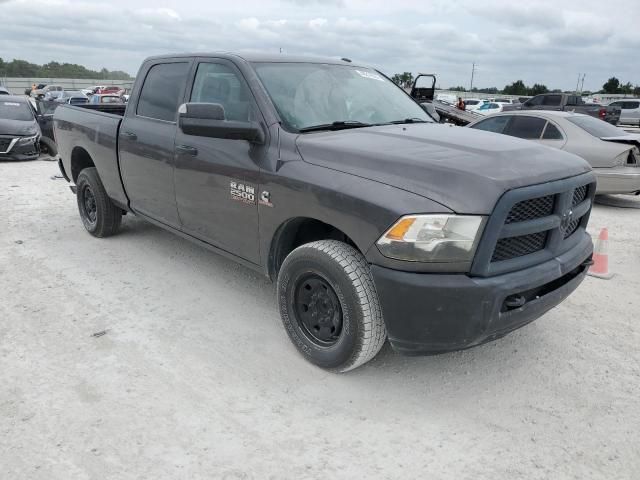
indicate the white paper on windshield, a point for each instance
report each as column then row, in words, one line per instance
column 371, row 75
column 11, row 104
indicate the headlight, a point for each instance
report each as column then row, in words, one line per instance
column 432, row 238
column 26, row 140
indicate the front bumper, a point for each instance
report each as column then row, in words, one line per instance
column 433, row 313
column 18, row 151
column 618, row 180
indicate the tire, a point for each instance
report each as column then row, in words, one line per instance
column 329, row 305
column 49, row 145
column 99, row 215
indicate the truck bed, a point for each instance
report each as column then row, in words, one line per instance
column 112, row 108
column 92, row 130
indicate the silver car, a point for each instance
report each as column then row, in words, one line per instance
column 613, row 153
column 630, row 114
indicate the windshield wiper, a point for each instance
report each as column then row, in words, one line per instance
column 409, row 120
column 340, row 125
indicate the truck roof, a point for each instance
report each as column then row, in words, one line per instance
column 263, row 57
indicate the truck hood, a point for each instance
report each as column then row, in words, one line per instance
column 18, row 127
column 463, row 169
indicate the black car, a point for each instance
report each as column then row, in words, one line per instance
column 19, row 130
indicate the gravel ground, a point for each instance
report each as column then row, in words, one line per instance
column 195, row 377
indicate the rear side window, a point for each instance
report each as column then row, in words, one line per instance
column 161, row 91
column 552, row 100
column 630, row 105
column 552, row 132
column 526, row 127
column 535, row 100
column 495, row 124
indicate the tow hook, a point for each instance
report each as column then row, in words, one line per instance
column 587, row 263
column 515, row 301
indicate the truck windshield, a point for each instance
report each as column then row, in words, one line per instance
column 15, row 111
column 309, row 95
column 596, row 127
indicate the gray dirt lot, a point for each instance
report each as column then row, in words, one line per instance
column 195, row 377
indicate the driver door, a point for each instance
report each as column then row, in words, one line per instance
column 216, row 179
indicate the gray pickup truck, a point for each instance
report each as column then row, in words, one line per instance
column 569, row 103
column 323, row 175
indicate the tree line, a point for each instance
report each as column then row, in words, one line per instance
column 613, row 85
column 22, row 68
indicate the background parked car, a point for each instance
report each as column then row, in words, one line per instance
column 489, row 108
column 4, row 91
column 571, row 103
column 42, row 92
column 111, row 89
column 613, row 153
column 72, row 97
column 630, row 114
column 109, row 98
column 472, row 104
column 19, row 130
column 51, row 95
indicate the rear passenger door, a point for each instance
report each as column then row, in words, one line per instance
column 217, row 179
column 146, row 140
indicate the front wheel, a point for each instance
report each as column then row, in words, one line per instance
column 329, row 305
column 99, row 215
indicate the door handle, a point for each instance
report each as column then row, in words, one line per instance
column 187, row 149
column 130, row 135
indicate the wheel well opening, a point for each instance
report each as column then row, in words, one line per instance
column 80, row 160
column 297, row 232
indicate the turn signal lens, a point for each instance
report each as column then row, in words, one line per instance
column 399, row 230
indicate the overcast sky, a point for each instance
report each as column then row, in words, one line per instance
column 538, row 41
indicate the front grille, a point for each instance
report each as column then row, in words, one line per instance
column 579, row 194
column 508, row 248
column 534, row 224
column 572, row 227
column 531, row 209
column 4, row 144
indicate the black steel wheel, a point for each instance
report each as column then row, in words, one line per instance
column 329, row 305
column 89, row 205
column 318, row 309
column 99, row 215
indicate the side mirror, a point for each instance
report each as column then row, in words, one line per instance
column 431, row 111
column 208, row 120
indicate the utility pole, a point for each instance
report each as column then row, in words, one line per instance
column 578, row 83
column 582, row 83
column 473, row 71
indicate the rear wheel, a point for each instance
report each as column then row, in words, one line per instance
column 99, row 215
column 329, row 305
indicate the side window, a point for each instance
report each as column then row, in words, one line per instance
column 552, row 100
column 552, row 132
column 535, row 100
column 526, row 127
column 160, row 94
column 219, row 83
column 572, row 100
column 495, row 124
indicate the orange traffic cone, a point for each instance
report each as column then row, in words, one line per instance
column 600, row 267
